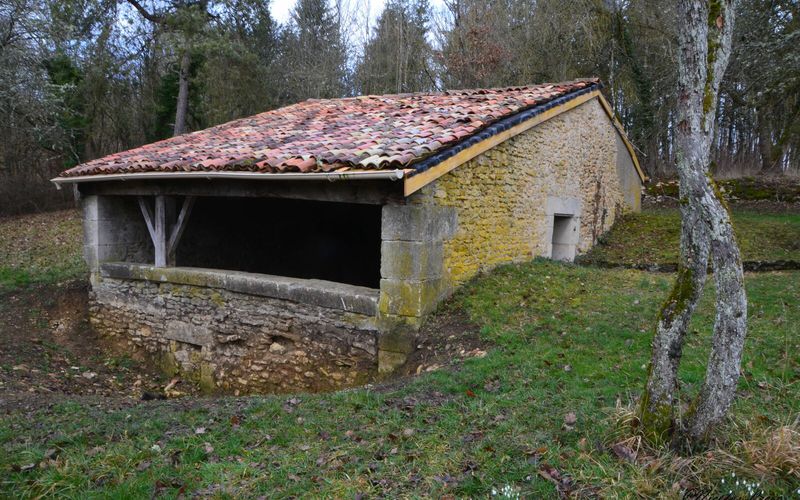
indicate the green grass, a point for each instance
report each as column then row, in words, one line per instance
column 40, row 248
column 652, row 237
column 566, row 339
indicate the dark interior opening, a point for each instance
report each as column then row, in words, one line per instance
column 338, row 242
column 564, row 238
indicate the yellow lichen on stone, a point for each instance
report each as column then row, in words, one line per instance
column 500, row 196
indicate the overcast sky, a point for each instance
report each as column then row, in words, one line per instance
column 280, row 8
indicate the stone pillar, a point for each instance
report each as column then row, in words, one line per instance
column 113, row 230
column 412, row 282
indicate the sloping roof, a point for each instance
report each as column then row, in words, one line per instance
column 403, row 131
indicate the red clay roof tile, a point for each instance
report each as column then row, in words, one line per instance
column 365, row 132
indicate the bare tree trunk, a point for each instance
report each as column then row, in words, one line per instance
column 182, row 104
column 656, row 411
column 705, row 44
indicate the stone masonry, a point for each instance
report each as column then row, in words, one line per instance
column 498, row 208
column 240, row 332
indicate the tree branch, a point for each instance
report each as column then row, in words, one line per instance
column 152, row 17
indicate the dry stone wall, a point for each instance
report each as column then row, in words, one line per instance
column 235, row 342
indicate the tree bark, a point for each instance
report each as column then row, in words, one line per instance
column 182, row 103
column 730, row 326
column 705, row 35
column 660, row 397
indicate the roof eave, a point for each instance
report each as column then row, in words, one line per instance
column 390, row 175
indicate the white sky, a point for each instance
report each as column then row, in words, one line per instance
column 280, row 9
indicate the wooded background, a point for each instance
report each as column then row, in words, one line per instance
column 80, row 79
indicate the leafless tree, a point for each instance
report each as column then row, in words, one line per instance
column 704, row 43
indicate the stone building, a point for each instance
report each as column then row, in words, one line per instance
column 299, row 249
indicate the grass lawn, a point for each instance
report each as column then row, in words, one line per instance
column 40, row 248
column 652, row 237
column 539, row 412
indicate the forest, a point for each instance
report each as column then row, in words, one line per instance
column 80, row 79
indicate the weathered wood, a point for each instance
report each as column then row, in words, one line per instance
column 369, row 192
column 148, row 217
column 178, row 228
column 160, row 227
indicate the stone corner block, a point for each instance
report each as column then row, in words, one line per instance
column 409, row 297
column 418, row 222
column 395, row 344
column 89, row 204
column 416, row 260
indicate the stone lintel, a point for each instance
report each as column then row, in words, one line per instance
column 350, row 298
column 557, row 205
column 183, row 331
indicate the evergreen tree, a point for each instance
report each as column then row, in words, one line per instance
column 313, row 56
column 397, row 56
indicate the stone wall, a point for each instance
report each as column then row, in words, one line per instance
column 499, row 208
column 238, row 332
column 505, row 199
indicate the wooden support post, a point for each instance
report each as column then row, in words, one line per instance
column 160, row 230
column 178, row 228
column 148, row 217
column 165, row 238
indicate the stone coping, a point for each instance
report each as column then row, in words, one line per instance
column 341, row 296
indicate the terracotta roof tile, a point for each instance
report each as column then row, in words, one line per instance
column 365, row 132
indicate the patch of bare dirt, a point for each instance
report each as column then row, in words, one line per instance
column 445, row 339
column 49, row 353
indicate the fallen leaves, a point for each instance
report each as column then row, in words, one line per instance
column 170, row 391
column 624, row 452
column 290, row 404
column 563, row 483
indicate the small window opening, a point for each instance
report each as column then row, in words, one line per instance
column 565, row 237
column 297, row 238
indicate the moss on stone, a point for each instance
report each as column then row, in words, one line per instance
column 205, row 379
column 167, row 363
column 217, row 299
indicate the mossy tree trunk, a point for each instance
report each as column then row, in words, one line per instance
column 705, row 45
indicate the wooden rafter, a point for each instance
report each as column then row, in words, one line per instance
column 148, row 217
